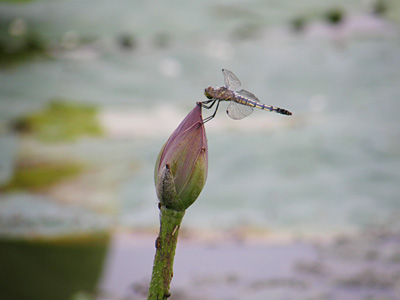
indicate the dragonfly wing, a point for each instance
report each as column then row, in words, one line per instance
column 238, row 111
column 248, row 95
column 231, row 81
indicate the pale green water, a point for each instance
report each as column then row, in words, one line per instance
column 331, row 167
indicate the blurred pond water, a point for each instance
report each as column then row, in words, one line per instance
column 332, row 166
column 50, row 269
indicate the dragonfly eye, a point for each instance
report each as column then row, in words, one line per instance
column 207, row 94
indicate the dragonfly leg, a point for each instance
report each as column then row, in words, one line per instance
column 212, row 101
column 209, row 106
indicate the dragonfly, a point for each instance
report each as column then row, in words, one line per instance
column 242, row 102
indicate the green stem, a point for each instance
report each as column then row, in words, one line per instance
column 170, row 221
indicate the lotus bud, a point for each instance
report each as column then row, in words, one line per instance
column 181, row 167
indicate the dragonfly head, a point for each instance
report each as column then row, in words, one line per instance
column 208, row 92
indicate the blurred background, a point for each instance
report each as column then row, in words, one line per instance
column 91, row 90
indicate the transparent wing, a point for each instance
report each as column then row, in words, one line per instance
column 238, row 111
column 231, row 81
column 248, row 95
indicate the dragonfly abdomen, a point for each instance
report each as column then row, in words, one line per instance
column 273, row 108
column 243, row 100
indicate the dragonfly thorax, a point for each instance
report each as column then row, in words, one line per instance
column 221, row 93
